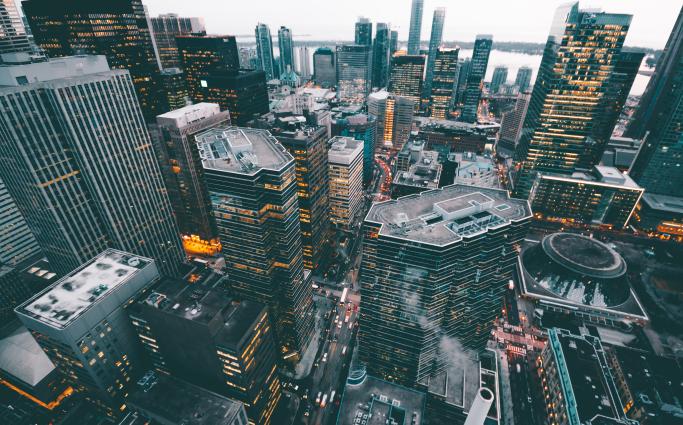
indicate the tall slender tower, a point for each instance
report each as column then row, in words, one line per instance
column 500, row 76
column 253, row 188
column 284, row 38
column 381, row 55
column 567, row 103
column 78, row 160
column 434, row 44
column 659, row 165
column 363, row 32
column 354, row 72
column 475, row 77
column 264, row 50
column 406, row 77
column 165, row 28
column 70, row 27
column 415, row 27
column 442, row 94
column 13, row 38
column 523, row 79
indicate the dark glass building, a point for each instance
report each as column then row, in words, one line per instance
column 434, row 270
column 444, row 74
column 523, row 78
column 117, row 29
column 475, row 77
column 284, row 39
column 174, row 91
column 363, row 32
column 560, row 129
column 264, row 51
column 243, row 93
column 415, row 29
column 434, row 44
column 199, row 332
column 361, row 127
column 165, row 28
column 406, row 77
column 251, row 180
column 659, row 164
column 201, row 56
column 324, row 67
column 354, row 72
column 381, row 56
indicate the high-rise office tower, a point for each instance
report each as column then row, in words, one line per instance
column 415, row 29
column 243, row 93
column 165, row 28
column 475, row 77
column 511, row 124
column 345, row 159
column 304, row 62
column 88, row 179
column 361, row 127
column 252, row 184
column 264, row 51
column 324, row 67
column 202, row 55
column 363, row 32
column 406, row 77
column 200, row 333
column 393, row 43
column 434, row 44
column 174, row 91
column 82, row 325
column 183, row 174
column 354, row 72
column 381, row 58
column 523, row 79
column 559, row 129
column 13, row 37
column 444, row 74
column 284, row 39
column 500, row 77
column 434, row 271
column 394, row 119
column 70, row 27
column 659, row 165
column 308, row 146
column 463, row 73
column 17, row 243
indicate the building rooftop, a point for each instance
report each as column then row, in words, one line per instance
column 423, row 167
column 446, row 215
column 179, row 402
column 664, row 203
column 600, row 175
column 190, row 114
column 74, row 294
column 241, row 150
column 343, row 150
column 475, row 170
column 375, row 402
column 53, row 69
column 22, row 358
column 206, row 301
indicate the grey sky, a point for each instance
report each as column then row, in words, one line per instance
column 507, row 20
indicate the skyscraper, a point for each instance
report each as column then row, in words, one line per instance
column 363, row 32
column 354, row 72
column 174, row 93
column 264, row 50
column 82, row 325
column 406, row 77
column 70, row 27
column 434, row 270
column 13, row 37
column 394, row 43
column 200, row 333
column 308, row 146
column 511, row 124
column 659, row 165
column 415, row 29
column 165, row 28
column 243, row 93
column 284, row 39
column 434, row 44
column 500, row 76
column 464, row 66
column 444, row 75
column 475, row 77
column 304, row 62
column 88, row 179
column 252, row 184
column 324, row 67
column 523, row 79
column 202, row 55
column 394, row 119
column 362, row 127
column 17, row 243
column 345, row 158
column 381, row 56
column 559, row 133
column 178, row 157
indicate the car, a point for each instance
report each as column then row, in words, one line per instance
column 317, row 399
column 325, row 357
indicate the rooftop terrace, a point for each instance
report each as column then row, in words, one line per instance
column 241, row 150
column 70, row 297
column 446, row 215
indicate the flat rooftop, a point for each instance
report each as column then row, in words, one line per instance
column 241, row 150
column 190, row 114
column 424, row 168
column 446, row 215
column 374, row 402
column 664, row 203
column 22, row 358
column 475, row 170
column 53, row 69
column 177, row 401
column 600, row 175
column 68, row 298
column 343, row 150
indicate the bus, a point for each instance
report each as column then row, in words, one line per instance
column 342, row 300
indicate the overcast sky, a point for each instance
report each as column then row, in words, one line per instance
column 507, row 20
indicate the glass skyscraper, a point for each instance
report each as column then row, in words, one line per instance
column 434, row 44
column 559, row 132
column 415, row 29
column 324, row 67
column 165, row 28
column 13, row 37
column 523, row 78
column 406, row 77
column 354, row 72
column 500, row 76
column 475, row 77
column 381, row 56
column 264, row 50
column 363, row 32
column 442, row 93
column 284, row 39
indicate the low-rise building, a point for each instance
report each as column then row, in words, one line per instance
column 475, row 170
column 457, row 136
column 416, row 170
